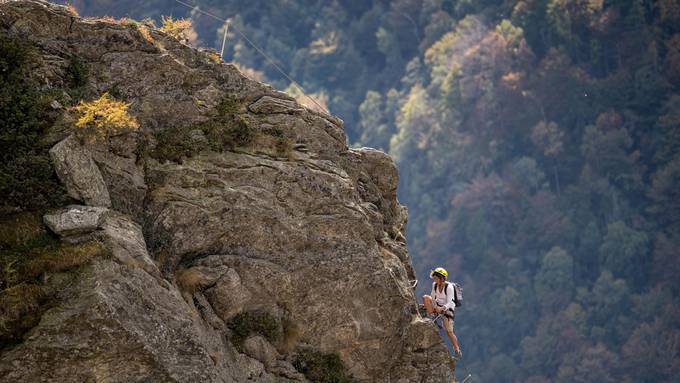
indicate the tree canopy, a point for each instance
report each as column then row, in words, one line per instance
column 538, row 143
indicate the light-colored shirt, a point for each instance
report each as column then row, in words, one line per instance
column 444, row 297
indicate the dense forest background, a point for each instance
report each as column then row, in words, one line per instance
column 538, row 143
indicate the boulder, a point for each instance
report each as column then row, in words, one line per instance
column 75, row 219
column 78, row 172
column 228, row 296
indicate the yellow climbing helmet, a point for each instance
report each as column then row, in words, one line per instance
column 439, row 270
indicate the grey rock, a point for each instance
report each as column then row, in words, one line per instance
column 286, row 370
column 79, row 174
column 271, row 105
column 228, row 296
column 208, row 313
column 259, row 348
column 197, row 135
column 75, row 219
column 125, row 240
column 121, row 326
column 123, row 177
column 427, row 359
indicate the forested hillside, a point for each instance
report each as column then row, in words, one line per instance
column 538, row 146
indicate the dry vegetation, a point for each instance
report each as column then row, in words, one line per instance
column 190, row 280
column 250, row 72
column 180, row 29
column 29, row 255
column 103, row 118
column 143, row 28
column 314, row 101
column 72, row 10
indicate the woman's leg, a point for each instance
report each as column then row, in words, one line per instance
column 452, row 335
column 427, row 301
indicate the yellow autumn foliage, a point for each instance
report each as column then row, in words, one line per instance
column 180, row 29
column 103, row 118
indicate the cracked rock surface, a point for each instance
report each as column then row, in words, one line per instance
column 313, row 237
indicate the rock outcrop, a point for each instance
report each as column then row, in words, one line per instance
column 289, row 223
column 79, row 174
column 75, row 220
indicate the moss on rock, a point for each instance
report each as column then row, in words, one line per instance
column 321, row 367
column 254, row 322
column 224, row 131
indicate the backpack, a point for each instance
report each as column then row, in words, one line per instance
column 457, row 294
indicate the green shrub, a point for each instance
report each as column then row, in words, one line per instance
column 27, row 178
column 226, row 135
column 76, row 72
column 228, row 107
column 224, row 131
column 321, row 367
column 175, row 144
column 254, row 322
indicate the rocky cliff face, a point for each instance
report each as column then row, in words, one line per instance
column 245, row 240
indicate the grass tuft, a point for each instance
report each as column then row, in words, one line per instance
column 72, row 10
column 29, row 255
column 16, row 304
column 53, row 259
column 20, row 229
column 190, row 280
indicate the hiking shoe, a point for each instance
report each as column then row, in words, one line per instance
column 457, row 355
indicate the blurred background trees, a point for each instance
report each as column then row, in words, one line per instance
column 538, row 143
